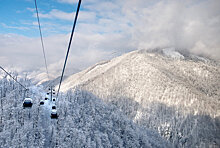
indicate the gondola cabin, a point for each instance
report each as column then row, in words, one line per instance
column 27, row 102
column 53, row 107
column 47, row 97
column 42, row 102
column 53, row 99
column 54, row 114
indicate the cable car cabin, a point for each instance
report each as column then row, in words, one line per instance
column 27, row 102
column 54, row 93
column 53, row 107
column 53, row 99
column 49, row 88
column 42, row 102
column 54, row 114
column 47, row 97
column 53, row 89
column 48, row 93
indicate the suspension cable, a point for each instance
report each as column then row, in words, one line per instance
column 41, row 37
column 13, row 78
column 70, row 41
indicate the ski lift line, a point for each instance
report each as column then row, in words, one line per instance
column 70, row 41
column 41, row 37
column 13, row 78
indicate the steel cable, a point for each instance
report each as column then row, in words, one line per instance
column 70, row 41
column 41, row 37
column 13, row 78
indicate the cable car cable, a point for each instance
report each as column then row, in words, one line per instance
column 41, row 37
column 13, row 78
column 70, row 41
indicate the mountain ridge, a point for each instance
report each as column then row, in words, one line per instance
column 141, row 82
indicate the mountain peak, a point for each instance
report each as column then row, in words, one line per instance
column 166, row 90
column 172, row 53
column 180, row 54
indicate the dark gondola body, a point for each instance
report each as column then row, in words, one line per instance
column 27, row 102
column 54, row 115
column 41, row 102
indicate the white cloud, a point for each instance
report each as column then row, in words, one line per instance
column 26, row 53
column 14, row 27
column 31, row 9
column 67, row 1
column 74, row 1
column 183, row 24
column 118, row 26
column 193, row 25
column 58, row 14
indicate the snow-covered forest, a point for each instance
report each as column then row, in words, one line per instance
column 84, row 121
column 140, row 99
column 110, row 74
column 175, row 93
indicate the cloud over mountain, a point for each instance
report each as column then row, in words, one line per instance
column 106, row 27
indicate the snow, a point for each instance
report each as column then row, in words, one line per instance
column 176, row 96
column 172, row 53
column 53, row 111
column 84, row 121
column 200, row 58
column 140, row 99
column 28, row 99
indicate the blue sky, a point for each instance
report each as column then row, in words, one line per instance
column 98, row 26
column 56, row 16
column 18, row 16
column 105, row 29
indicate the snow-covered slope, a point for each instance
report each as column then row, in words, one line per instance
column 84, row 121
column 176, row 95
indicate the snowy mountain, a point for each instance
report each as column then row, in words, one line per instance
column 41, row 78
column 173, row 93
column 84, row 121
